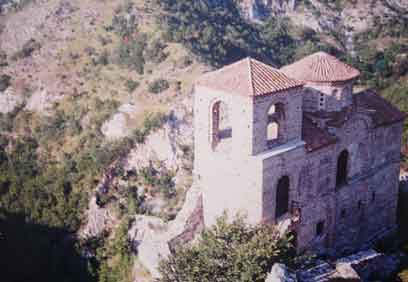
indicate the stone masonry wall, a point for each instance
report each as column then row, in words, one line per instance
column 290, row 125
column 328, row 97
column 230, row 180
column 366, row 205
column 241, row 174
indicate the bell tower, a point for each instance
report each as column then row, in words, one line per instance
column 242, row 112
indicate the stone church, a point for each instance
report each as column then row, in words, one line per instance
column 297, row 146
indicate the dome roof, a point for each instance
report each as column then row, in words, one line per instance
column 320, row 67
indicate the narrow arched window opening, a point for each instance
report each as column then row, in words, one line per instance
column 275, row 116
column 272, row 132
column 342, row 164
column 282, row 196
column 276, row 112
column 221, row 127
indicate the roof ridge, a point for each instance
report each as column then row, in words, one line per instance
column 251, row 81
column 249, row 77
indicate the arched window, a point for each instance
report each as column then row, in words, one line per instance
column 272, row 132
column 275, row 115
column 342, row 164
column 272, row 110
column 282, row 197
column 276, row 112
column 221, row 128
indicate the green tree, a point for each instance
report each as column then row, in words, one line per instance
column 229, row 252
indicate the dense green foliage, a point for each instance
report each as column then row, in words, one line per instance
column 380, row 68
column 114, row 256
column 217, row 32
column 131, row 85
column 43, row 199
column 158, row 86
column 44, row 195
column 229, row 252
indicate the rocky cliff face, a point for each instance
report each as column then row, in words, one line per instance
column 258, row 9
column 322, row 16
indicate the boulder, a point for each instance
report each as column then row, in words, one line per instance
column 10, row 100
column 280, row 273
column 344, row 273
column 116, row 127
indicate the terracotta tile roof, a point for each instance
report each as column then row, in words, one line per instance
column 381, row 111
column 315, row 137
column 248, row 77
column 320, row 67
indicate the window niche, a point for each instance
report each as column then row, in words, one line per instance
column 282, row 197
column 221, row 123
column 320, row 228
column 275, row 117
column 342, row 168
column 272, row 132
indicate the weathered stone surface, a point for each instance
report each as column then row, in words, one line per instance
column 154, row 239
column 117, row 126
column 361, row 266
column 344, row 272
column 166, row 144
column 9, row 100
column 98, row 220
column 280, row 273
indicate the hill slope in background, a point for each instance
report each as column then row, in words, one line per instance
column 95, row 105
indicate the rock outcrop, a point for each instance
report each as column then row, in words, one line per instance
column 9, row 100
column 154, row 239
column 280, row 273
column 257, row 9
column 166, row 144
column 99, row 219
column 323, row 16
column 357, row 267
column 117, row 126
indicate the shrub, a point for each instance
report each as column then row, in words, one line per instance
column 4, row 82
column 229, row 252
column 130, row 53
column 131, row 85
column 158, row 86
column 185, row 62
column 103, row 58
column 3, row 59
column 139, row 136
column 28, row 48
column 155, row 51
column 124, row 26
column 119, row 268
column 135, row 201
column 153, row 122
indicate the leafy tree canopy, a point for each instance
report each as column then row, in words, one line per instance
column 229, row 252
